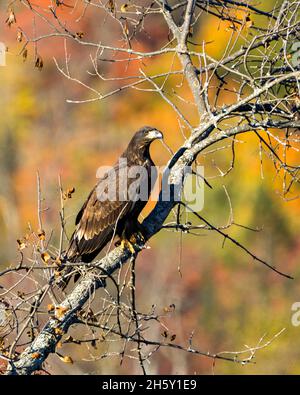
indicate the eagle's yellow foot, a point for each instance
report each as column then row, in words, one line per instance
column 127, row 245
column 136, row 238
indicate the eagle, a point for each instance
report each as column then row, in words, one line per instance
column 113, row 206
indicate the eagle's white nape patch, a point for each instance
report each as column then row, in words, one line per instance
column 154, row 134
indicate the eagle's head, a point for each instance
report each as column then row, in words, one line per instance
column 146, row 135
column 139, row 145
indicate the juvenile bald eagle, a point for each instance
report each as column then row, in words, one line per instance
column 105, row 214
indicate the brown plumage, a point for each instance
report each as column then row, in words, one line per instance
column 102, row 218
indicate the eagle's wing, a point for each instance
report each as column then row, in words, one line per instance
column 97, row 220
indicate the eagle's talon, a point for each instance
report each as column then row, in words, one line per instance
column 127, row 245
column 132, row 239
column 117, row 243
column 137, row 238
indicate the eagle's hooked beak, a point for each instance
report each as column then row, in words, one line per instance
column 154, row 134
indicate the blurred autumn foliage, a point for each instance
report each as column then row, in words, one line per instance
column 219, row 293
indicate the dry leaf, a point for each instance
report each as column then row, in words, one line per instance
column 62, row 3
column 59, row 345
column 21, row 244
column 60, row 311
column 68, row 193
column 66, row 359
column 57, row 273
column 41, row 234
column 58, row 331
column 20, row 36
column 39, row 64
column 249, row 22
column 111, row 5
column 57, row 261
column 45, row 257
column 50, row 307
column 124, row 7
column 11, row 19
column 35, row 355
column 30, row 334
column 79, row 34
column 170, row 308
